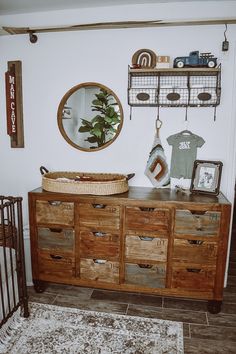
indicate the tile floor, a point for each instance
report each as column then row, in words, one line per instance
column 204, row 333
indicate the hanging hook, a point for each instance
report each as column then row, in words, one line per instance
column 158, row 121
column 226, row 28
column 186, row 114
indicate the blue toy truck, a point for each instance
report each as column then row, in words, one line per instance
column 196, row 60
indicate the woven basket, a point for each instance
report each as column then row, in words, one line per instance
column 85, row 183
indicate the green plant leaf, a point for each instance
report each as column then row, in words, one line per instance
column 97, row 103
column 96, row 131
column 92, row 139
column 86, row 122
column 83, row 129
column 108, row 119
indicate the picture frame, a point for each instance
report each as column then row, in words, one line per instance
column 206, row 177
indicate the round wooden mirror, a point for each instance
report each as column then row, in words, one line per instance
column 90, row 116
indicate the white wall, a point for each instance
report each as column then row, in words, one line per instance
column 59, row 61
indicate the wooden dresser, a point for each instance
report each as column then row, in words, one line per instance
column 155, row 241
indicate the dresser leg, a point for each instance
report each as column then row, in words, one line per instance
column 39, row 286
column 214, row 306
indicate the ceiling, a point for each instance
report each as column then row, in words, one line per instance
column 8, row 7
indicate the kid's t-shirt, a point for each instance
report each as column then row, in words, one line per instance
column 184, row 152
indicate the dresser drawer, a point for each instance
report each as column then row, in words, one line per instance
column 193, row 277
column 197, row 223
column 56, row 239
column 99, row 244
column 99, row 216
column 54, row 212
column 99, row 270
column 145, row 275
column 147, row 219
column 145, row 247
column 196, row 251
column 55, row 265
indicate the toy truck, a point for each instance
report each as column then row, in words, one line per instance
column 196, row 60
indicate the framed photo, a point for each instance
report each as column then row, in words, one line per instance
column 206, row 177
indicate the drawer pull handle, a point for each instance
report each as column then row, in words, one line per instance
column 55, row 256
column 193, row 270
column 99, row 206
column 146, row 238
column 195, row 242
column 99, row 234
column 54, row 202
column 99, row 261
column 198, row 213
column 52, row 229
column 146, row 209
column 147, row 266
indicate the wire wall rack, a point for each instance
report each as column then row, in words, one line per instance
column 193, row 87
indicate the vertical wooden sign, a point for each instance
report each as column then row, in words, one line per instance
column 14, row 104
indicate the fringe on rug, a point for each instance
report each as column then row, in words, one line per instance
column 8, row 330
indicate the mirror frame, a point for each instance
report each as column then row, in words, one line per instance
column 63, row 102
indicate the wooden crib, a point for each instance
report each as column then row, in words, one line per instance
column 13, row 290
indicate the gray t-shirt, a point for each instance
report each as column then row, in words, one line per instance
column 184, row 153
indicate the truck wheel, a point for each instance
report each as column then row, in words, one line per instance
column 180, row 64
column 211, row 64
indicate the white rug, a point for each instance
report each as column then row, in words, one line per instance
column 53, row 329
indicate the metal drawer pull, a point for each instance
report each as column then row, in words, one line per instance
column 193, row 270
column 55, row 230
column 54, row 202
column 146, row 238
column 146, row 209
column 195, row 242
column 54, row 256
column 147, row 266
column 99, row 261
column 99, row 234
column 99, row 206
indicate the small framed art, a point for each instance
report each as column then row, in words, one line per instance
column 206, row 177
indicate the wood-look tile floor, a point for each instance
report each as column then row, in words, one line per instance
column 204, row 333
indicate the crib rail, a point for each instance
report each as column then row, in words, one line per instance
column 13, row 290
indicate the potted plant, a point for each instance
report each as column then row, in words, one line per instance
column 105, row 123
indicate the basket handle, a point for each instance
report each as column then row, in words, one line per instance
column 130, row 175
column 43, row 170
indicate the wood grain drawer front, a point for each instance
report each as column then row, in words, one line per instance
column 145, row 275
column 99, row 244
column 144, row 247
column 54, row 212
column 57, row 239
column 196, row 223
column 193, row 277
column 196, row 251
column 149, row 219
column 99, row 215
column 99, row 270
column 56, row 264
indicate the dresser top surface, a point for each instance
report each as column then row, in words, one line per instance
column 145, row 194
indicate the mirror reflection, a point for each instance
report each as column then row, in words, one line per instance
column 90, row 116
